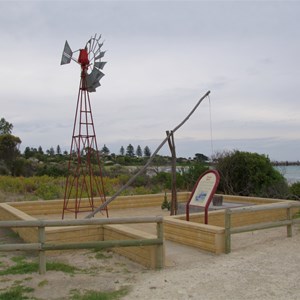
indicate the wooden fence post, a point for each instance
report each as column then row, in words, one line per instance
column 160, row 247
column 227, row 231
column 289, row 217
column 42, row 255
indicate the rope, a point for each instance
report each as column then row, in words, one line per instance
column 210, row 125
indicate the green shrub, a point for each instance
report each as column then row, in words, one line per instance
column 295, row 191
column 249, row 174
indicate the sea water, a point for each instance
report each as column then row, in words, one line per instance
column 290, row 173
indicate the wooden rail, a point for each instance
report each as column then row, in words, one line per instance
column 288, row 222
column 42, row 246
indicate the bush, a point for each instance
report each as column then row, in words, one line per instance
column 295, row 191
column 250, row 174
column 190, row 177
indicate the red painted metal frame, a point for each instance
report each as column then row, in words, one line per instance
column 81, row 178
column 209, row 198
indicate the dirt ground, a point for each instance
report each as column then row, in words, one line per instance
column 262, row 265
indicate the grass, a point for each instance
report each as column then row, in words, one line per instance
column 100, row 254
column 95, row 295
column 23, row 267
column 43, row 283
column 16, row 293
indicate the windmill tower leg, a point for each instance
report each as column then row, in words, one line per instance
column 84, row 179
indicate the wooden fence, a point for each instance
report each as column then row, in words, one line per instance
column 41, row 246
column 288, row 221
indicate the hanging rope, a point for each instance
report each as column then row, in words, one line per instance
column 211, row 131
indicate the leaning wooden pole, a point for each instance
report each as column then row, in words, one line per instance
column 171, row 143
column 132, row 179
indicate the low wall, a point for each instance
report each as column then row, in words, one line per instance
column 194, row 233
column 46, row 207
column 144, row 255
column 211, row 237
column 206, row 237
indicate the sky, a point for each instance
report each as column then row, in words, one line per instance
column 162, row 57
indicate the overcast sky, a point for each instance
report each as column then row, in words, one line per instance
column 162, row 57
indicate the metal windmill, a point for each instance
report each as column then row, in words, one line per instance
column 84, row 183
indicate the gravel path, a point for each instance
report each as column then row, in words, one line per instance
column 262, row 265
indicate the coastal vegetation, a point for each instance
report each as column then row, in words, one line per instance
column 35, row 174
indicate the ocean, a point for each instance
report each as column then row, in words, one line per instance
column 291, row 173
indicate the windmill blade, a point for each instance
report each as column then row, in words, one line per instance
column 94, row 44
column 100, row 64
column 93, row 87
column 93, row 79
column 96, row 75
column 67, row 54
column 100, row 55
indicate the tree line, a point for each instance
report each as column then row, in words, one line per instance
column 53, row 161
column 242, row 173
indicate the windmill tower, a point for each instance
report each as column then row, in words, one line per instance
column 84, row 183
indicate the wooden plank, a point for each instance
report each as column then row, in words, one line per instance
column 260, row 226
column 264, row 207
column 56, row 223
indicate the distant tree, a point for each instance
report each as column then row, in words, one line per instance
column 105, row 150
column 40, row 150
column 50, row 151
column 9, row 146
column 5, row 127
column 147, row 151
column 27, row 152
column 122, row 150
column 130, row 150
column 58, row 150
column 9, row 150
column 139, row 152
column 201, row 157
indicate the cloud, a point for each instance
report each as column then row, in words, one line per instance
column 162, row 57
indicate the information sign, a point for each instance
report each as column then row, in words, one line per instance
column 204, row 191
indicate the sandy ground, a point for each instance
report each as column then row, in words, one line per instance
column 262, row 265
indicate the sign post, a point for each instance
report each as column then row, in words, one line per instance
column 203, row 192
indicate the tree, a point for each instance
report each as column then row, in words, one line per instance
column 50, row 151
column 201, row 157
column 40, row 150
column 139, row 152
column 147, row 151
column 27, row 152
column 105, row 150
column 130, row 151
column 5, row 127
column 9, row 150
column 58, row 150
column 122, row 150
column 249, row 174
